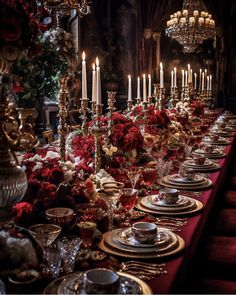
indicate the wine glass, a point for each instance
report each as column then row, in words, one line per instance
column 86, row 233
column 128, row 199
column 133, row 174
column 44, row 235
column 149, row 176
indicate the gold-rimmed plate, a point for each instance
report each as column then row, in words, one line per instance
column 216, row 154
column 125, row 237
column 145, row 202
column 111, row 240
column 157, row 201
column 201, row 168
column 140, row 255
column 140, row 288
column 198, row 207
column 201, row 186
column 168, row 180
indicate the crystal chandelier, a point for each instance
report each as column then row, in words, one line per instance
column 191, row 26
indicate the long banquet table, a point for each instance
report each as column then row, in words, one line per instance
column 176, row 267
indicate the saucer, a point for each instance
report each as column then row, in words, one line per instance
column 181, row 201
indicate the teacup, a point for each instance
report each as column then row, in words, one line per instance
column 187, row 173
column 208, row 148
column 101, row 281
column 199, row 160
column 169, row 195
column 144, row 232
column 214, row 137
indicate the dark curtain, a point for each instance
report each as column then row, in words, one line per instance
column 152, row 14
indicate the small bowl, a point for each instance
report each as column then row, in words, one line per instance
column 213, row 137
column 169, row 195
column 208, row 148
column 24, row 277
column 60, row 216
column 144, row 232
column 187, row 173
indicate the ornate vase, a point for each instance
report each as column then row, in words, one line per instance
column 13, row 180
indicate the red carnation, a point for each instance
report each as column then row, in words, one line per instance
column 56, row 175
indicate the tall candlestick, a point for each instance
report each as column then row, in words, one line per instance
column 98, row 76
column 172, row 79
column 161, row 76
column 84, row 77
column 195, row 81
column 186, row 78
column 144, row 89
column 149, row 86
column 183, row 78
column 94, row 84
column 200, row 78
column 175, row 77
column 138, row 88
column 205, row 77
column 203, row 82
column 208, row 83
column 129, row 88
column 210, row 88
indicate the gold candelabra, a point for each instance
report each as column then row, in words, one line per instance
column 84, row 111
column 185, row 94
column 174, row 99
column 130, row 105
column 62, row 128
column 111, row 108
column 97, row 130
column 161, row 98
column 93, row 107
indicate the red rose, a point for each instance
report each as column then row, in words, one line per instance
column 118, row 127
column 56, row 175
column 22, row 208
column 89, row 185
column 118, row 139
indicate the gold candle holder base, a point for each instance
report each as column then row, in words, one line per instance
column 84, row 110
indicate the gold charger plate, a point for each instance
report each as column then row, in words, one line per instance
column 177, row 179
column 198, row 207
column 193, row 187
column 52, row 288
column 214, row 155
column 202, row 168
column 110, row 238
column 118, row 252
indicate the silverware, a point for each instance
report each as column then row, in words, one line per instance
column 140, row 263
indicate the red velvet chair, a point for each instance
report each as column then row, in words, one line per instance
column 212, row 286
column 219, row 254
column 230, row 198
column 226, row 222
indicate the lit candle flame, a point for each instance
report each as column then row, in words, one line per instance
column 93, row 66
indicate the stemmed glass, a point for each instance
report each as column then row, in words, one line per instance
column 128, row 199
column 44, row 235
column 69, row 247
column 133, row 174
column 150, row 177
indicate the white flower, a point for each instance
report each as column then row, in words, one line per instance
column 35, row 158
column 68, row 176
column 68, row 165
column 52, row 155
column 38, row 165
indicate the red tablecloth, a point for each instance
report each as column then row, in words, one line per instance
column 191, row 233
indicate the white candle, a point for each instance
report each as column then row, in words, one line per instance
column 203, row 81
column 94, row 84
column 210, row 88
column 98, row 76
column 84, row 77
column 183, row 78
column 200, row 78
column 129, row 88
column 189, row 73
column 208, row 83
column 195, row 81
column 149, row 86
column 205, row 77
column 144, row 89
column 161, row 76
column 138, row 88
column 191, row 76
column 175, row 77
column 186, row 78
column 172, row 79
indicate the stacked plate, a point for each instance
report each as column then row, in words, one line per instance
column 219, row 141
column 216, row 154
column 121, row 242
column 176, row 181
column 208, row 165
column 184, row 205
column 73, row 284
column 222, row 132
